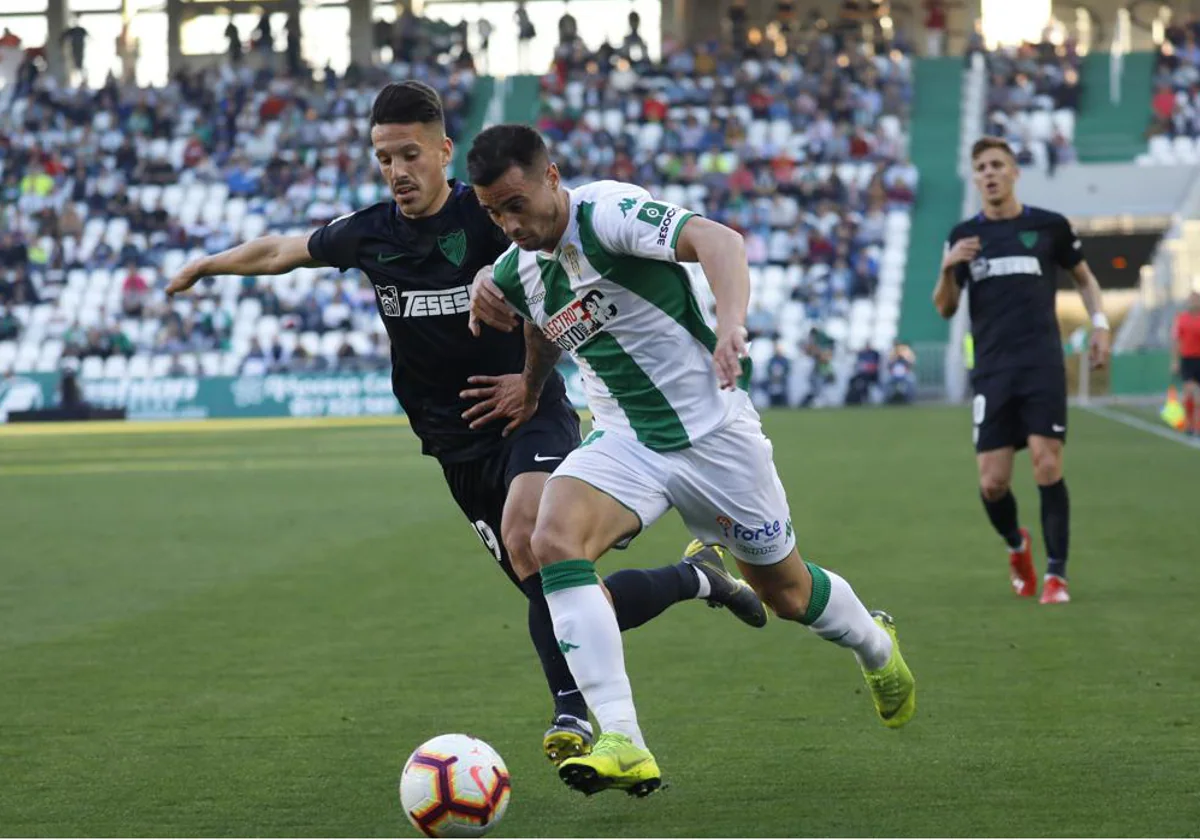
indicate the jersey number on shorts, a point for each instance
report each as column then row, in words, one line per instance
column 488, row 536
column 978, row 412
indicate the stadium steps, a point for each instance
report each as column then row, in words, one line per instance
column 1108, row 133
column 481, row 99
column 937, row 106
column 521, row 99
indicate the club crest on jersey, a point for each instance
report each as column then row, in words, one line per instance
column 576, row 323
column 1028, row 238
column 454, row 245
column 570, row 254
column 979, row 268
column 389, row 300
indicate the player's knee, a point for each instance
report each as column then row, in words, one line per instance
column 1047, row 466
column 787, row 601
column 518, row 539
column 550, row 543
column 993, row 487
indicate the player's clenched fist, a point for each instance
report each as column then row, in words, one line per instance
column 488, row 305
column 964, row 250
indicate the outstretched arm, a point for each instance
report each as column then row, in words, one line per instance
column 1100, row 345
column 263, row 256
column 721, row 252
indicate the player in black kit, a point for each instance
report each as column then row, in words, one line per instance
column 497, row 429
column 1008, row 258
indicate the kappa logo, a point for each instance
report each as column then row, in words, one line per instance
column 574, row 325
column 626, row 205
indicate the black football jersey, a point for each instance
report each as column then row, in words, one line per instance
column 422, row 270
column 1011, row 286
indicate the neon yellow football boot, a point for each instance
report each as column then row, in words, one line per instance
column 893, row 687
column 568, row 736
column 615, row 762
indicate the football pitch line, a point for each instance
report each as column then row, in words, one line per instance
column 250, row 464
column 1142, row 425
column 224, row 424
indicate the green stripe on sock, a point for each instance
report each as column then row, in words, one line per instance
column 571, row 573
column 820, row 593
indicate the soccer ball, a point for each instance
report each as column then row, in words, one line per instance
column 454, row 786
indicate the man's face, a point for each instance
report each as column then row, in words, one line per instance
column 525, row 206
column 995, row 174
column 412, row 159
column 1194, row 302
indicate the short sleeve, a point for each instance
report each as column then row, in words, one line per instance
column 506, row 274
column 1068, row 249
column 639, row 225
column 336, row 243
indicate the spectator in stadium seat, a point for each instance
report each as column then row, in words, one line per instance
column 901, row 374
column 176, row 368
column 867, row 366
column 134, row 290
column 778, row 375
column 935, row 27
column 254, row 363
column 10, row 326
column 819, row 347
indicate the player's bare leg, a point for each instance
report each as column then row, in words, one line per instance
column 995, row 489
column 637, row 596
column 1046, row 453
column 825, row 603
column 576, row 525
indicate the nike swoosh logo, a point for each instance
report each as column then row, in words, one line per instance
column 1059, row 428
column 626, row 766
column 566, row 693
column 387, row 258
column 537, row 459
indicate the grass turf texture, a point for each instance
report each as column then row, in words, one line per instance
column 246, row 633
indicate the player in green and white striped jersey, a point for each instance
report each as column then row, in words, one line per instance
column 595, row 272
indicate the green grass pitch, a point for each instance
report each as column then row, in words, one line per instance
column 246, row 633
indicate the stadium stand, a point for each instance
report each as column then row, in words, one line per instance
column 804, row 154
column 108, row 192
column 1175, row 107
column 1033, row 99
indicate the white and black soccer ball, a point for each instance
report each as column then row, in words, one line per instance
column 455, row 786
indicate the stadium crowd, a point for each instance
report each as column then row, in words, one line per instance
column 804, row 154
column 1176, row 103
column 107, row 191
column 1033, row 97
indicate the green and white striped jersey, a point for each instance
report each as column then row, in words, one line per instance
column 612, row 295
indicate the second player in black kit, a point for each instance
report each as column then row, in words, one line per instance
column 422, row 271
column 1007, row 259
column 1019, row 378
column 421, row 251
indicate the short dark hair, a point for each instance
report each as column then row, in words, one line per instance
column 406, row 103
column 501, row 147
column 986, row 144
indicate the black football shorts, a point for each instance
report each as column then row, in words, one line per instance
column 1010, row 405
